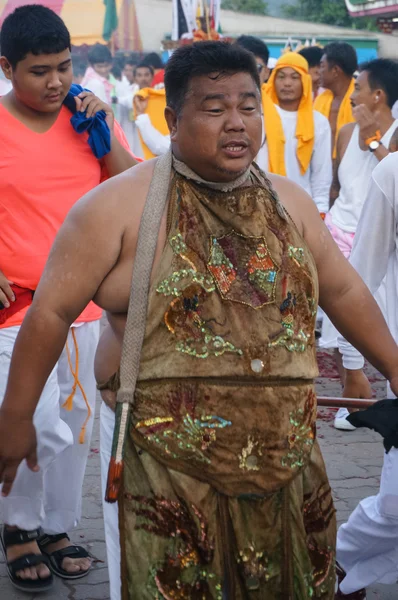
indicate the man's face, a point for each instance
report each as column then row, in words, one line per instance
column 327, row 73
column 41, row 82
column 288, row 85
column 315, row 73
column 218, row 133
column 128, row 72
column 104, row 69
column 263, row 70
column 362, row 93
column 143, row 76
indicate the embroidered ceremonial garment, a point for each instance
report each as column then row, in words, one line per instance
column 225, row 494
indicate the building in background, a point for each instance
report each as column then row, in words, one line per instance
column 143, row 24
column 385, row 11
column 86, row 19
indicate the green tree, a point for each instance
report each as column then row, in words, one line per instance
column 256, row 7
column 331, row 12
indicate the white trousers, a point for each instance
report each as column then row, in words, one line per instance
column 111, row 514
column 367, row 545
column 52, row 498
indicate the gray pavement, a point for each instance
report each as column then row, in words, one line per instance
column 353, row 461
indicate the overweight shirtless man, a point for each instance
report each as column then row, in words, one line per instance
column 266, row 332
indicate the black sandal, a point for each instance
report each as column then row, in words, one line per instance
column 18, row 538
column 55, row 558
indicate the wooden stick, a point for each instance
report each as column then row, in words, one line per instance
column 330, row 402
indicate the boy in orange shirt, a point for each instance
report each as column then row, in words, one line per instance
column 45, row 167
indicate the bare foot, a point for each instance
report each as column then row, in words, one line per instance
column 70, row 565
column 31, row 573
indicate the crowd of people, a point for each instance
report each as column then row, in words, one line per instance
column 268, row 176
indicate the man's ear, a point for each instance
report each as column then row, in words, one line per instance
column 6, row 67
column 172, row 122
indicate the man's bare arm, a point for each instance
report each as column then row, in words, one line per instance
column 345, row 298
column 119, row 158
column 341, row 146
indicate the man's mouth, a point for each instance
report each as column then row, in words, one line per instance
column 54, row 97
column 235, row 146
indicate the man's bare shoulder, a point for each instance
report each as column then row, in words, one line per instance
column 296, row 200
column 345, row 132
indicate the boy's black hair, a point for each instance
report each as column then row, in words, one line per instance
column 255, row 46
column 215, row 59
column 142, row 65
column 312, row 55
column 99, row 54
column 383, row 74
column 153, row 60
column 33, row 29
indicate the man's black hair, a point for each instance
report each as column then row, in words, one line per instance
column 99, row 54
column 131, row 61
column 255, row 46
column 342, row 55
column 153, row 60
column 32, row 29
column 312, row 55
column 142, row 65
column 79, row 67
column 383, row 75
column 205, row 58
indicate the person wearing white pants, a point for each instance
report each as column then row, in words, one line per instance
column 111, row 512
column 367, row 545
column 51, row 498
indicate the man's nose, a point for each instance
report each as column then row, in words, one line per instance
column 235, row 122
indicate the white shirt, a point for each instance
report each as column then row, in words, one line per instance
column 157, row 142
column 318, row 178
column 375, row 251
column 354, row 173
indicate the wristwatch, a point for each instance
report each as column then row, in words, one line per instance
column 374, row 142
column 374, row 145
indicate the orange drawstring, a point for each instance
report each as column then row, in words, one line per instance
column 68, row 405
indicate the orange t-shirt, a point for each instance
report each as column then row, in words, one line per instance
column 42, row 175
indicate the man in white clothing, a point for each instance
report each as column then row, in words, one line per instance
column 298, row 139
column 367, row 546
column 157, row 143
column 360, row 146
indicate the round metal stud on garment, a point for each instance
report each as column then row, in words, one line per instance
column 257, row 365
column 251, row 462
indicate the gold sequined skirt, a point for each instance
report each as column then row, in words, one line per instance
column 182, row 539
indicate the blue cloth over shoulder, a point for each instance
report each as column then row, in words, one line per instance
column 99, row 135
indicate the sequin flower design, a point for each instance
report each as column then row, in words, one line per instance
column 185, row 572
column 297, row 255
column 256, row 567
column 318, row 512
column 194, row 335
column 251, row 455
column 243, row 269
column 190, row 289
column 183, row 434
column 293, row 337
column 301, row 435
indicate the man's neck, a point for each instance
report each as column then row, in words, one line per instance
column 290, row 106
column 36, row 121
column 340, row 88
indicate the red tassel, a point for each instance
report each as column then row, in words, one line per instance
column 114, row 482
